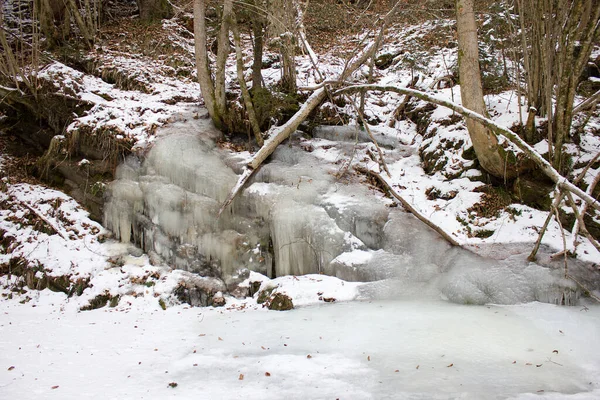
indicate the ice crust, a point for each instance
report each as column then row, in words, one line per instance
column 295, row 219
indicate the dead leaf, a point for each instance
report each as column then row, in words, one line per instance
column 368, row 358
column 54, row 387
column 418, row 366
column 451, row 365
column 11, row 367
column 514, row 362
column 173, row 384
column 539, row 365
column 195, row 365
column 241, row 377
column 262, row 347
column 267, row 374
column 399, row 370
column 555, row 351
column 220, row 338
column 309, row 356
column 202, row 334
column 528, row 364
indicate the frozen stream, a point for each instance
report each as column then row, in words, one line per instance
column 358, row 350
column 300, row 216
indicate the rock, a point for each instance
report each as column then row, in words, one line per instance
column 198, row 291
column 218, row 300
column 279, row 302
column 264, row 295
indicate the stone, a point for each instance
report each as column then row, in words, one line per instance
column 279, row 302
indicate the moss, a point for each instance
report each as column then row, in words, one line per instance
column 483, row 233
column 280, row 302
column 101, row 301
column 264, row 295
column 162, row 304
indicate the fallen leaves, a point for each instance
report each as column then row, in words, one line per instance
column 451, row 365
column 173, row 384
column 309, row 356
column 54, row 387
column 11, row 367
column 267, row 374
column 241, row 377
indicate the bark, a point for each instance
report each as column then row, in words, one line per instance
column 258, row 30
column 491, row 156
column 202, row 64
column 222, row 53
column 560, row 181
column 244, row 89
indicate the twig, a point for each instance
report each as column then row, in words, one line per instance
column 407, row 205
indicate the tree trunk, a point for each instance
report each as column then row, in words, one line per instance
column 152, row 10
column 207, row 88
column 258, row 31
column 492, row 157
column 222, row 53
column 282, row 26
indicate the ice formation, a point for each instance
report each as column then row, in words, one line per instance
column 294, row 219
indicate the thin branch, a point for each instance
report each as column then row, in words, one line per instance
column 406, row 204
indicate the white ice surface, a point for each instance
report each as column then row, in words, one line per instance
column 375, row 350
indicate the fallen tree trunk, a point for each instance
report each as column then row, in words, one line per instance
column 560, row 181
column 406, row 204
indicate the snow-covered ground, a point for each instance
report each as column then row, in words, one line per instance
column 348, row 349
column 355, row 350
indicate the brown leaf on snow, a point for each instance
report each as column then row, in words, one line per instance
column 220, row 338
column 54, row 387
column 398, row 370
column 418, row 366
column 11, row 367
column 451, row 365
column 309, row 356
column 368, row 358
column 241, row 377
column 555, row 351
column 267, row 374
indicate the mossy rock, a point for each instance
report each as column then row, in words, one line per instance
column 280, row 302
column 101, row 301
column 534, row 193
column 264, row 295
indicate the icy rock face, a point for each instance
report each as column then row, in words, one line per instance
column 295, row 218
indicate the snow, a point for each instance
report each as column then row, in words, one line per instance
column 357, row 350
column 367, row 344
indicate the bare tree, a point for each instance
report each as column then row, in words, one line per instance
column 557, row 39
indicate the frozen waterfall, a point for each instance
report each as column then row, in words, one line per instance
column 296, row 218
